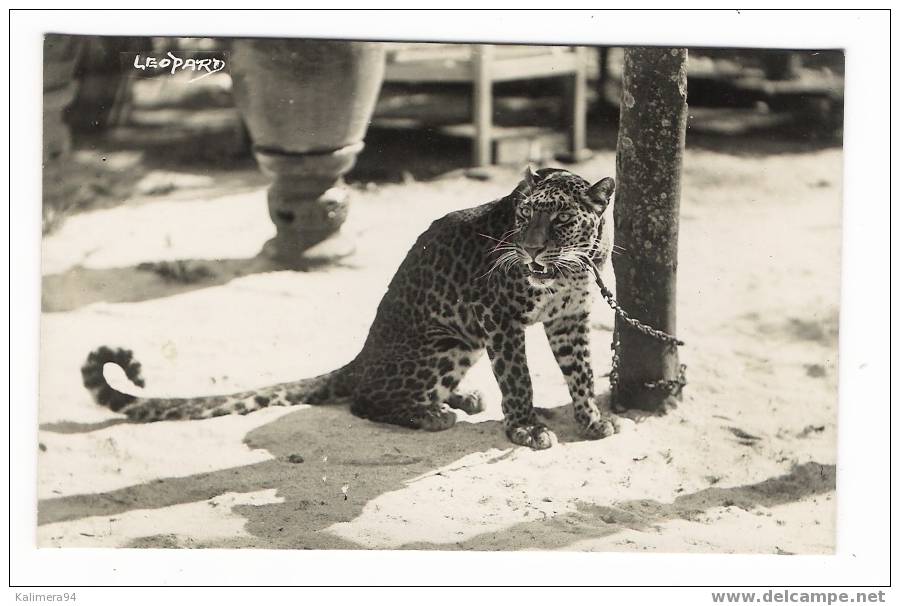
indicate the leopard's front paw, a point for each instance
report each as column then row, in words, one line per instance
column 537, row 436
column 599, row 425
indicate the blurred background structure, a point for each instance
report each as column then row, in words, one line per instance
column 441, row 107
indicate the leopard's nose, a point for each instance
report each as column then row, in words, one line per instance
column 534, row 251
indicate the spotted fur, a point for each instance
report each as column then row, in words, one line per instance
column 472, row 282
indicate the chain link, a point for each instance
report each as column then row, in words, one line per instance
column 672, row 386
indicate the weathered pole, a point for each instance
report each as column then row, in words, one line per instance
column 652, row 122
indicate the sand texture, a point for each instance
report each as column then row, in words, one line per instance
column 746, row 463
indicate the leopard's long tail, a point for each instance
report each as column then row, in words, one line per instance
column 331, row 386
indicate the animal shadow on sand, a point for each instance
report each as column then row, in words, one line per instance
column 319, row 450
column 81, row 286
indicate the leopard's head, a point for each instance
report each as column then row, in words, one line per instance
column 559, row 224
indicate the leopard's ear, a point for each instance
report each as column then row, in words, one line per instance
column 531, row 177
column 600, row 193
column 528, row 183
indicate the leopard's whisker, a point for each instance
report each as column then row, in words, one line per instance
column 503, row 237
column 499, row 241
column 501, row 262
column 491, row 237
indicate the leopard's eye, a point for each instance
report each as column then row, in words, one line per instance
column 525, row 211
column 564, row 217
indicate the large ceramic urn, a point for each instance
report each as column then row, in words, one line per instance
column 307, row 105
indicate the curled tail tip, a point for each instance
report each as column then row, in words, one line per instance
column 95, row 382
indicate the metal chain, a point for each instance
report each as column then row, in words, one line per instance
column 672, row 386
column 634, row 323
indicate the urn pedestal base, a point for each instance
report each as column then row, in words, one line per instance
column 306, row 104
column 308, row 203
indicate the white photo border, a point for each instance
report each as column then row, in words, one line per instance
column 864, row 428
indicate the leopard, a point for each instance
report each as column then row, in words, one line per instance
column 474, row 281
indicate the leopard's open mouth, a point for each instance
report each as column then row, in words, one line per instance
column 540, row 272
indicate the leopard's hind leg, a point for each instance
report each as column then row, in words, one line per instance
column 413, row 414
column 418, row 394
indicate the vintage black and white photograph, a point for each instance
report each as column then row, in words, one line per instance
column 307, row 293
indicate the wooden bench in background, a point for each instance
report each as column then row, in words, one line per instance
column 482, row 66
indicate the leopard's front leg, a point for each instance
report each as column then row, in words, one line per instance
column 568, row 336
column 505, row 343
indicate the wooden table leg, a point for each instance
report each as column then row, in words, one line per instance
column 482, row 105
column 576, row 111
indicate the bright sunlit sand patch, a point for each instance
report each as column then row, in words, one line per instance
column 187, row 525
column 127, row 454
column 783, row 529
column 134, row 233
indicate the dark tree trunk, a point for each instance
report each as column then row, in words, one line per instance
column 648, row 171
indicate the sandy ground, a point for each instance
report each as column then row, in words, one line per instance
column 746, row 464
